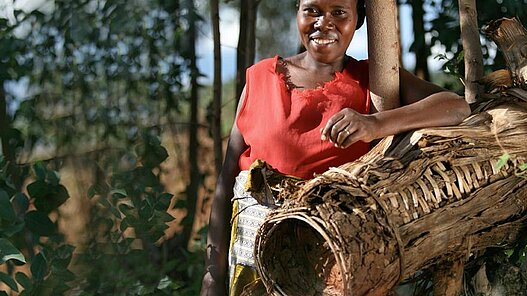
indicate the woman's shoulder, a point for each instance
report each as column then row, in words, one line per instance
column 357, row 69
column 354, row 64
column 266, row 64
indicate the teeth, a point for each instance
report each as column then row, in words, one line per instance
column 324, row 41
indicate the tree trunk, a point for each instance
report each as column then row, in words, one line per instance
column 468, row 19
column 216, row 132
column 8, row 151
column 435, row 195
column 240, row 51
column 250, row 46
column 383, row 52
column 192, row 188
column 246, row 50
column 421, row 49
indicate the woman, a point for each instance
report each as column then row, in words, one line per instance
column 306, row 113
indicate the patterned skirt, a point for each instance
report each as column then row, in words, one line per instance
column 247, row 216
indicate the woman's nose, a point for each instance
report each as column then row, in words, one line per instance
column 324, row 22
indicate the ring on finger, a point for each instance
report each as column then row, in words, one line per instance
column 347, row 132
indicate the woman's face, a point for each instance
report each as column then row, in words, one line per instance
column 326, row 27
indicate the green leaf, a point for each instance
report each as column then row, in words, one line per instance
column 523, row 167
column 6, row 208
column 9, row 281
column 39, row 266
column 39, row 223
column 23, row 280
column 53, row 178
column 180, row 204
column 119, row 193
column 116, row 212
column 502, row 161
column 62, row 256
column 146, row 211
column 92, row 191
column 124, row 225
column 163, row 202
column 165, row 282
column 40, row 170
column 38, row 189
column 125, row 209
column 8, row 251
column 165, row 217
column 14, row 228
column 47, row 197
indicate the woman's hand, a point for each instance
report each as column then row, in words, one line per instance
column 349, row 126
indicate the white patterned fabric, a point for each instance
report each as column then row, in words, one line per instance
column 248, row 215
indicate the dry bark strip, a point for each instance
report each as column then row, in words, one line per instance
column 415, row 200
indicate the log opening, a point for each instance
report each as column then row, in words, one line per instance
column 303, row 260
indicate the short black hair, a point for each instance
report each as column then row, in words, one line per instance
column 361, row 12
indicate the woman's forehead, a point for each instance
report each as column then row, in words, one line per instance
column 342, row 3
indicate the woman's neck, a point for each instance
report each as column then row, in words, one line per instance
column 311, row 65
column 304, row 72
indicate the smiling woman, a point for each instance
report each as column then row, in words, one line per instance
column 334, row 26
column 302, row 115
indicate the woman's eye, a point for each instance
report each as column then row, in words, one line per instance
column 311, row 11
column 339, row 12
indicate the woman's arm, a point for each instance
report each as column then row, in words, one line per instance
column 424, row 105
column 216, row 265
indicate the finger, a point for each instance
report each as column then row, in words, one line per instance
column 338, row 128
column 341, row 137
column 326, row 131
column 354, row 137
column 349, row 131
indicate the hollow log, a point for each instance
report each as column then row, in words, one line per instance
column 415, row 200
column 511, row 38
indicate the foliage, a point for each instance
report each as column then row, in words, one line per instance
column 444, row 28
column 26, row 226
column 95, row 80
column 121, row 256
column 102, row 80
column 128, row 217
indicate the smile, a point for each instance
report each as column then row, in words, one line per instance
column 321, row 41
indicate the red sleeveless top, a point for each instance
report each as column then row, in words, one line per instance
column 282, row 126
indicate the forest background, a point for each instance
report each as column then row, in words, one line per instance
column 113, row 123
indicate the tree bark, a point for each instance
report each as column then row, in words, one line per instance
column 193, row 186
column 511, row 38
column 448, row 277
column 246, row 51
column 4, row 125
column 250, row 46
column 468, row 19
column 7, row 149
column 383, row 49
column 216, row 132
column 241, row 51
column 421, row 49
